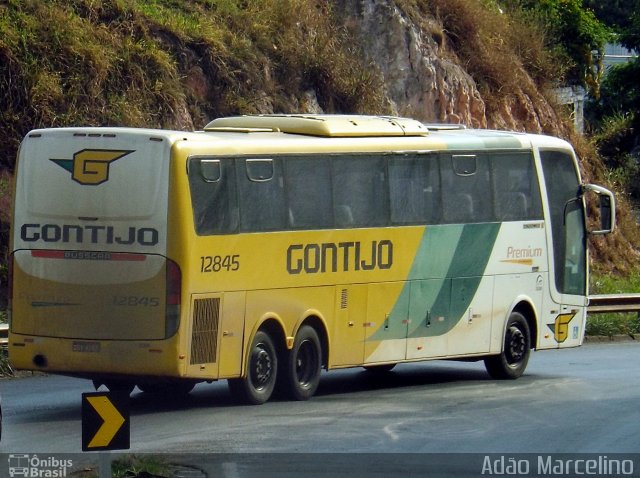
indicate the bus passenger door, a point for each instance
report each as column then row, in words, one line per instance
column 387, row 322
column 569, row 325
column 566, row 308
column 347, row 345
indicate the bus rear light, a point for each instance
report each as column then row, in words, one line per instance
column 173, row 298
column 174, row 283
column 88, row 255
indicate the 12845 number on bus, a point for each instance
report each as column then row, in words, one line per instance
column 220, row 263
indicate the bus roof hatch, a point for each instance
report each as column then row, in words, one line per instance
column 323, row 125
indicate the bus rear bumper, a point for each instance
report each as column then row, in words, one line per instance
column 91, row 358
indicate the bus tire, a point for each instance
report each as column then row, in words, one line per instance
column 262, row 369
column 301, row 374
column 512, row 361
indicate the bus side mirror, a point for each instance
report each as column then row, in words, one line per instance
column 607, row 206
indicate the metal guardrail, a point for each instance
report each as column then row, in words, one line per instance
column 611, row 303
column 4, row 339
column 4, row 335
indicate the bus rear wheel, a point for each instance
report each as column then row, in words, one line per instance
column 258, row 384
column 511, row 363
column 301, row 374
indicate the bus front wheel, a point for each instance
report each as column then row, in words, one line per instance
column 301, row 374
column 510, row 364
column 258, row 384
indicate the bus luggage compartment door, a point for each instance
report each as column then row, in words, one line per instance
column 215, row 335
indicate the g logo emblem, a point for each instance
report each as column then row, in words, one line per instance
column 91, row 166
column 560, row 327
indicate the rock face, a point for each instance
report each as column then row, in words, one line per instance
column 420, row 81
column 423, row 77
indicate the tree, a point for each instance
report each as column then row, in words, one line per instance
column 576, row 31
column 615, row 117
column 621, row 90
column 613, row 13
column 630, row 36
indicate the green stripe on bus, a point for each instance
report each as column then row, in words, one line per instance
column 450, row 257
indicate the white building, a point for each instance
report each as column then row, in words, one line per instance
column 615, row 54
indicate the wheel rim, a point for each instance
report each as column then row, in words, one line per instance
column 515, row 346
column 306, row 363
column 262, row 367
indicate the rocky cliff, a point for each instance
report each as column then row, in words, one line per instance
column 425, row 76
column 411, row 52
column 420, row 77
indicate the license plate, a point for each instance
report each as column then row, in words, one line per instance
column 86, row 347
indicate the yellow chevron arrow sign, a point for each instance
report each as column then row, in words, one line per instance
column 105, row 421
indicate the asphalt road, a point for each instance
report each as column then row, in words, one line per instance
column 578, row 401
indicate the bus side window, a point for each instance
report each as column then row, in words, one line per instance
column 360, row 184
column 308, row 185
column 414, row 183
column 466, row 187
column 261, row 195
column 212, row 182
column 458, row 208
column 515, row 185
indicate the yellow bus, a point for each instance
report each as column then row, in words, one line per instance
column 269, row 247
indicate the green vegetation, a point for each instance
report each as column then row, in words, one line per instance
column 614, row 13
column 573, row 32
column 613, row 284
column 5, row 367
column 504, row 52
column 139, row 466
column 5, row 207
column 132, row 466
column 614, row 118
column 608, row 325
